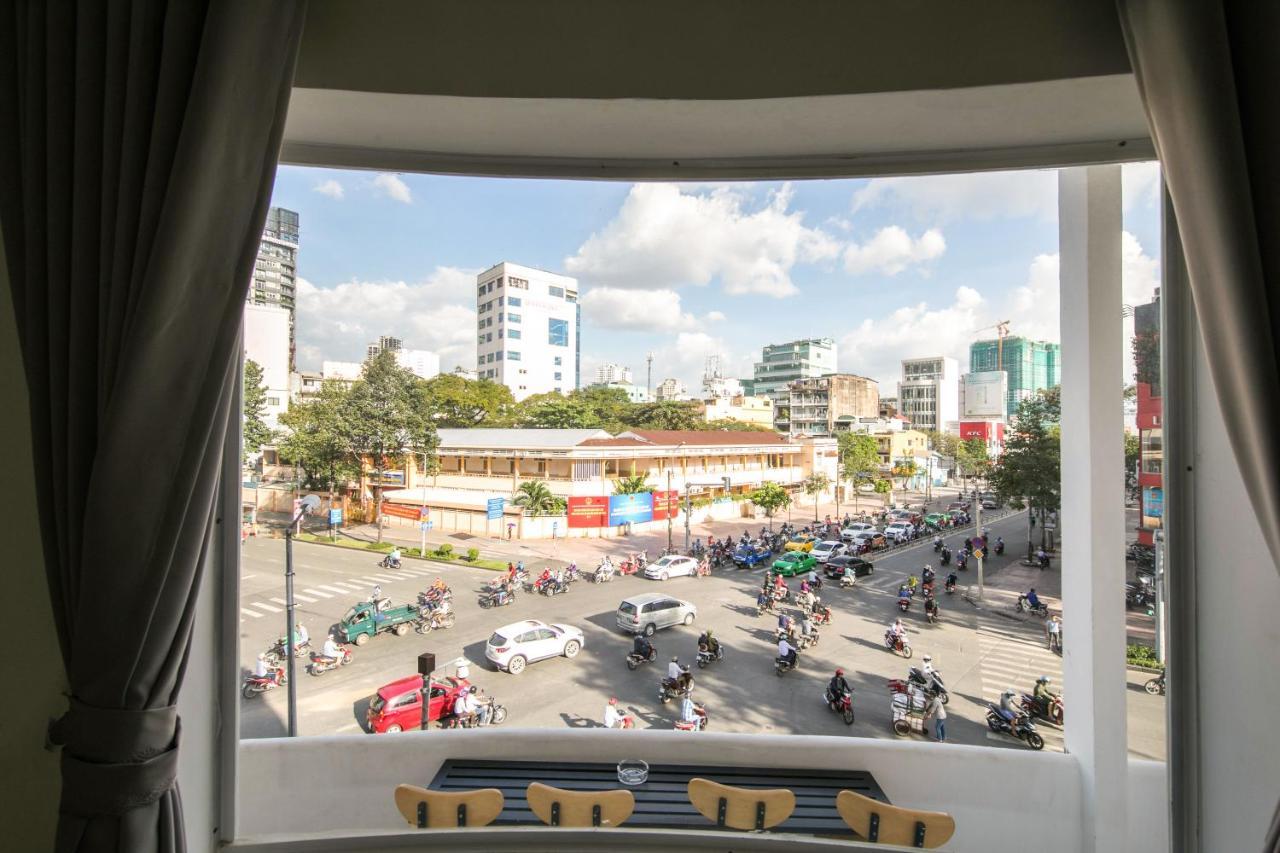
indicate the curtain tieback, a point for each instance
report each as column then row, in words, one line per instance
column 115, row 760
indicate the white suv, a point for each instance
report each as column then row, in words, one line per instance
column 824, row 551
column 898, row 531
column 851, row 532
column 512, row 646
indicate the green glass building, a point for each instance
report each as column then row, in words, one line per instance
column 1031, row 365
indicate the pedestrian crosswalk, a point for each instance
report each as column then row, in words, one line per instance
column 1009, row 662
column 359, row 586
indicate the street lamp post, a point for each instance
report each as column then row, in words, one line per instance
column 688, row 512
column 667, row 499
column 977, row 502
column 305, row 505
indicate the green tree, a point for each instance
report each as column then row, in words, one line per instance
column 1029, row 472
column 316, row 439
column 1132, row 456
column 770, row 497
column 943, row 443
column 732, row 425
column 386, row 421
column 667, row 414
column 859, row 460
column 455, row 401
column 972, row 458
column 556, row 411
column 905, row 471
column 253, row 427
column 814, row 485
column 631, row 485
column 536, row 499
column 883, row 487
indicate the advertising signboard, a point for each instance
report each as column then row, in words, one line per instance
column 1152, row 506
column 630, row 508
column 985, row 394
column 666, row 504
column 588, row 512
column 412, row 513
column 494, row 506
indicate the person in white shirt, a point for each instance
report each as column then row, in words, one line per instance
column 460, row 713
column 260, row 669
column 614, row 718
column 303, row 637
column 331, row 649
column 939, row 713
column 673, row 669
column 786, row 651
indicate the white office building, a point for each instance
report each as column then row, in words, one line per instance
column 420, row 362
column 267, row 333
column 527, row 323
column 672, row 389
column 609, row 373
column 929, row 392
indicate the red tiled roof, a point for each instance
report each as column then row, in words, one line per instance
column 705, row 438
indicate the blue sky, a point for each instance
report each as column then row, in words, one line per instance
column 890, row 268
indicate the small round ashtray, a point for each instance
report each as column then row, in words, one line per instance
column 633, row 771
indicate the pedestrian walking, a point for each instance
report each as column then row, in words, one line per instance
column 1053, row 629
column 939, row 713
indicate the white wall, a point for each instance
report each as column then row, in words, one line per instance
column 266, row 341
column 422, row 363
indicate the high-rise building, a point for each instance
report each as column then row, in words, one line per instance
column 1031, row 365
column 825, row 405
column 929, row 392
column 782, row 364
column 275, row 273
column 610, row 372
column 671, row 389
column 384, row 343
column 527, row 323
column 267, row 343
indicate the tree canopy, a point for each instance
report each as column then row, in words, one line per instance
column 454, row 401
column 254, row 428
column 1029, row 472
column 770, row 497
column 316, row 438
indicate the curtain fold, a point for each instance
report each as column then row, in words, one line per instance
column 138, row 146
column 1207, row 71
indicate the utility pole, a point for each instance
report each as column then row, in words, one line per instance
column 305, row 505
column 977, row 502
column 688, row 511
column 667, row 499
column 648, row 377
column 1158, row 589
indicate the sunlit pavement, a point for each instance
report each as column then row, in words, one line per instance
column 979, row 649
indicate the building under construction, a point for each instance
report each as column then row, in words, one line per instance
column 1031, row 365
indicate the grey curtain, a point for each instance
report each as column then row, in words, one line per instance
column 1208, row 71
column 138, row 144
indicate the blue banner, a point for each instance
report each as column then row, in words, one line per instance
column 635, row 508
column 1153, row 501
column 495, row 506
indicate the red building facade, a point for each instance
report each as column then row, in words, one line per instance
column 1146, row 349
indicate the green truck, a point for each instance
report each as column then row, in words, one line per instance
column 364, row 620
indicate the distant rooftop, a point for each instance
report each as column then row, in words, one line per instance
column 517, row 439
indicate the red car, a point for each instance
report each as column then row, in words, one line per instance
column 398, row 706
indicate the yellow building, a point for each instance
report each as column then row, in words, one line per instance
column 898, row 444
column 749, row 410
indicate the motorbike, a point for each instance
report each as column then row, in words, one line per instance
column 669, row 689
column 321, row 664
column 432, row 619
column 1021, row 728
column 945, row 559
column 553, row 586
column 847, row 580
column 804, row 600
column 937, row 546
column 707, row 657
column 999, row 549
column 904, row 602
column 698, row 724
column 931, row 610
column 842, row 705
column 782, row 665
column 1041, row 609
column 387, row 563
column 1155, row 686
column 766, row 607
column 497, row 598
column 627, row 567
column 602, row 575
column 434, row 598
column 821, row 615
column 804, row 641
column 950, row 585
column 277, row 652
column 493, row 717
column 255, row 685
column 1051, row 710
column 520, row 579
column 932, row 685
column 1138, row 594
column 898, row 644
column 781, row 593
column 634, row 658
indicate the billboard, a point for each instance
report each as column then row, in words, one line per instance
column 413, row 513
column 588, row 512
column 1152, row 506
column 985, row 394
column 633, row 508
column 666, row 504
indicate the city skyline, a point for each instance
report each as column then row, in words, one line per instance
column 902, row 267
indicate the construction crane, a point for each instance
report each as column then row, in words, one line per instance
column 1002, row 331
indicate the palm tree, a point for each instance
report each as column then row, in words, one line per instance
column 536, row 498
column 630, row 485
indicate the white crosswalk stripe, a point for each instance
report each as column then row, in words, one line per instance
column 246, row 612
column 264, row 606
column 317, row 593
column 386, row 578
column 333, row 589
column 1009, row 663
column 417, row 573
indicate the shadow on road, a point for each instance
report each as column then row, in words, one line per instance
column 577, row 721
column 360, row 712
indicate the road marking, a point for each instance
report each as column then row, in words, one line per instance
column 300, row 597
column 264, row 606
column 333, row 589
column 318, row 594
column 246, row 577
column 417, row 573
column 350, row 587
column 250, row 613
column 387, row 578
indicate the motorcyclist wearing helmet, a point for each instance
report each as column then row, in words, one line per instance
column 1007, row 709
column 786, row 651
column 1033, row 600
column 673, row 669
column 926, row 575
column 837, row 686
column 707, row 642
column 330, row 652
column 1043, row 693
column 641, row 646
column 926, row 668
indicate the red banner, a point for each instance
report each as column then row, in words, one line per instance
column 588, row 512
column 412, row 513
column 664, row 504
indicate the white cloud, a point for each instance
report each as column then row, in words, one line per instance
column 877, row 346
column 892, row 250
column 331, row 188
column 715, row 317
column 972, row 195
column 647, row 310
column 336, row 323
column 393, row 188
column 664, row 237
column 684, row 357
column 1140, row 184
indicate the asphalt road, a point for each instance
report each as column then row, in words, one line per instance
column 980, row 650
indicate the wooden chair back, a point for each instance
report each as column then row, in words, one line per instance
column 428, row 809
column 558, row 807
column 885, row 824
column 741, row 808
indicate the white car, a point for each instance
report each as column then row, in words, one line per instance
column 512, row 646
column 671, row 566
column 824, row 551
column 898, row 531
column 851, row 532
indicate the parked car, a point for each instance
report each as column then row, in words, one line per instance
column 671, row 566
column 869, row 540
column 954, row 505
column 989, row 503
column 397, row 706
column 824, row 551
column 854, row 529
column 898, row 531
column 936, row 518
column 910, row 516
column 836, row 565
column 794, row 563
column 648, row 612
column 512, row 646
column 801, row 543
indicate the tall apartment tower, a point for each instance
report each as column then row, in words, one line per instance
column 527, row 323
column 929, row 393
column 609, row 373
column 782, row 364
column 1030, row 365
column 275, row 274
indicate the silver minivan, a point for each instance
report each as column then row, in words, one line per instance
column 653, row 610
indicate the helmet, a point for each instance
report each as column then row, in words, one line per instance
column 928, row 568
column 839, row 672
column 1008, row 693
column 928, row 658
column 471, row 689
column 1044, row 679
column 675, row 659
